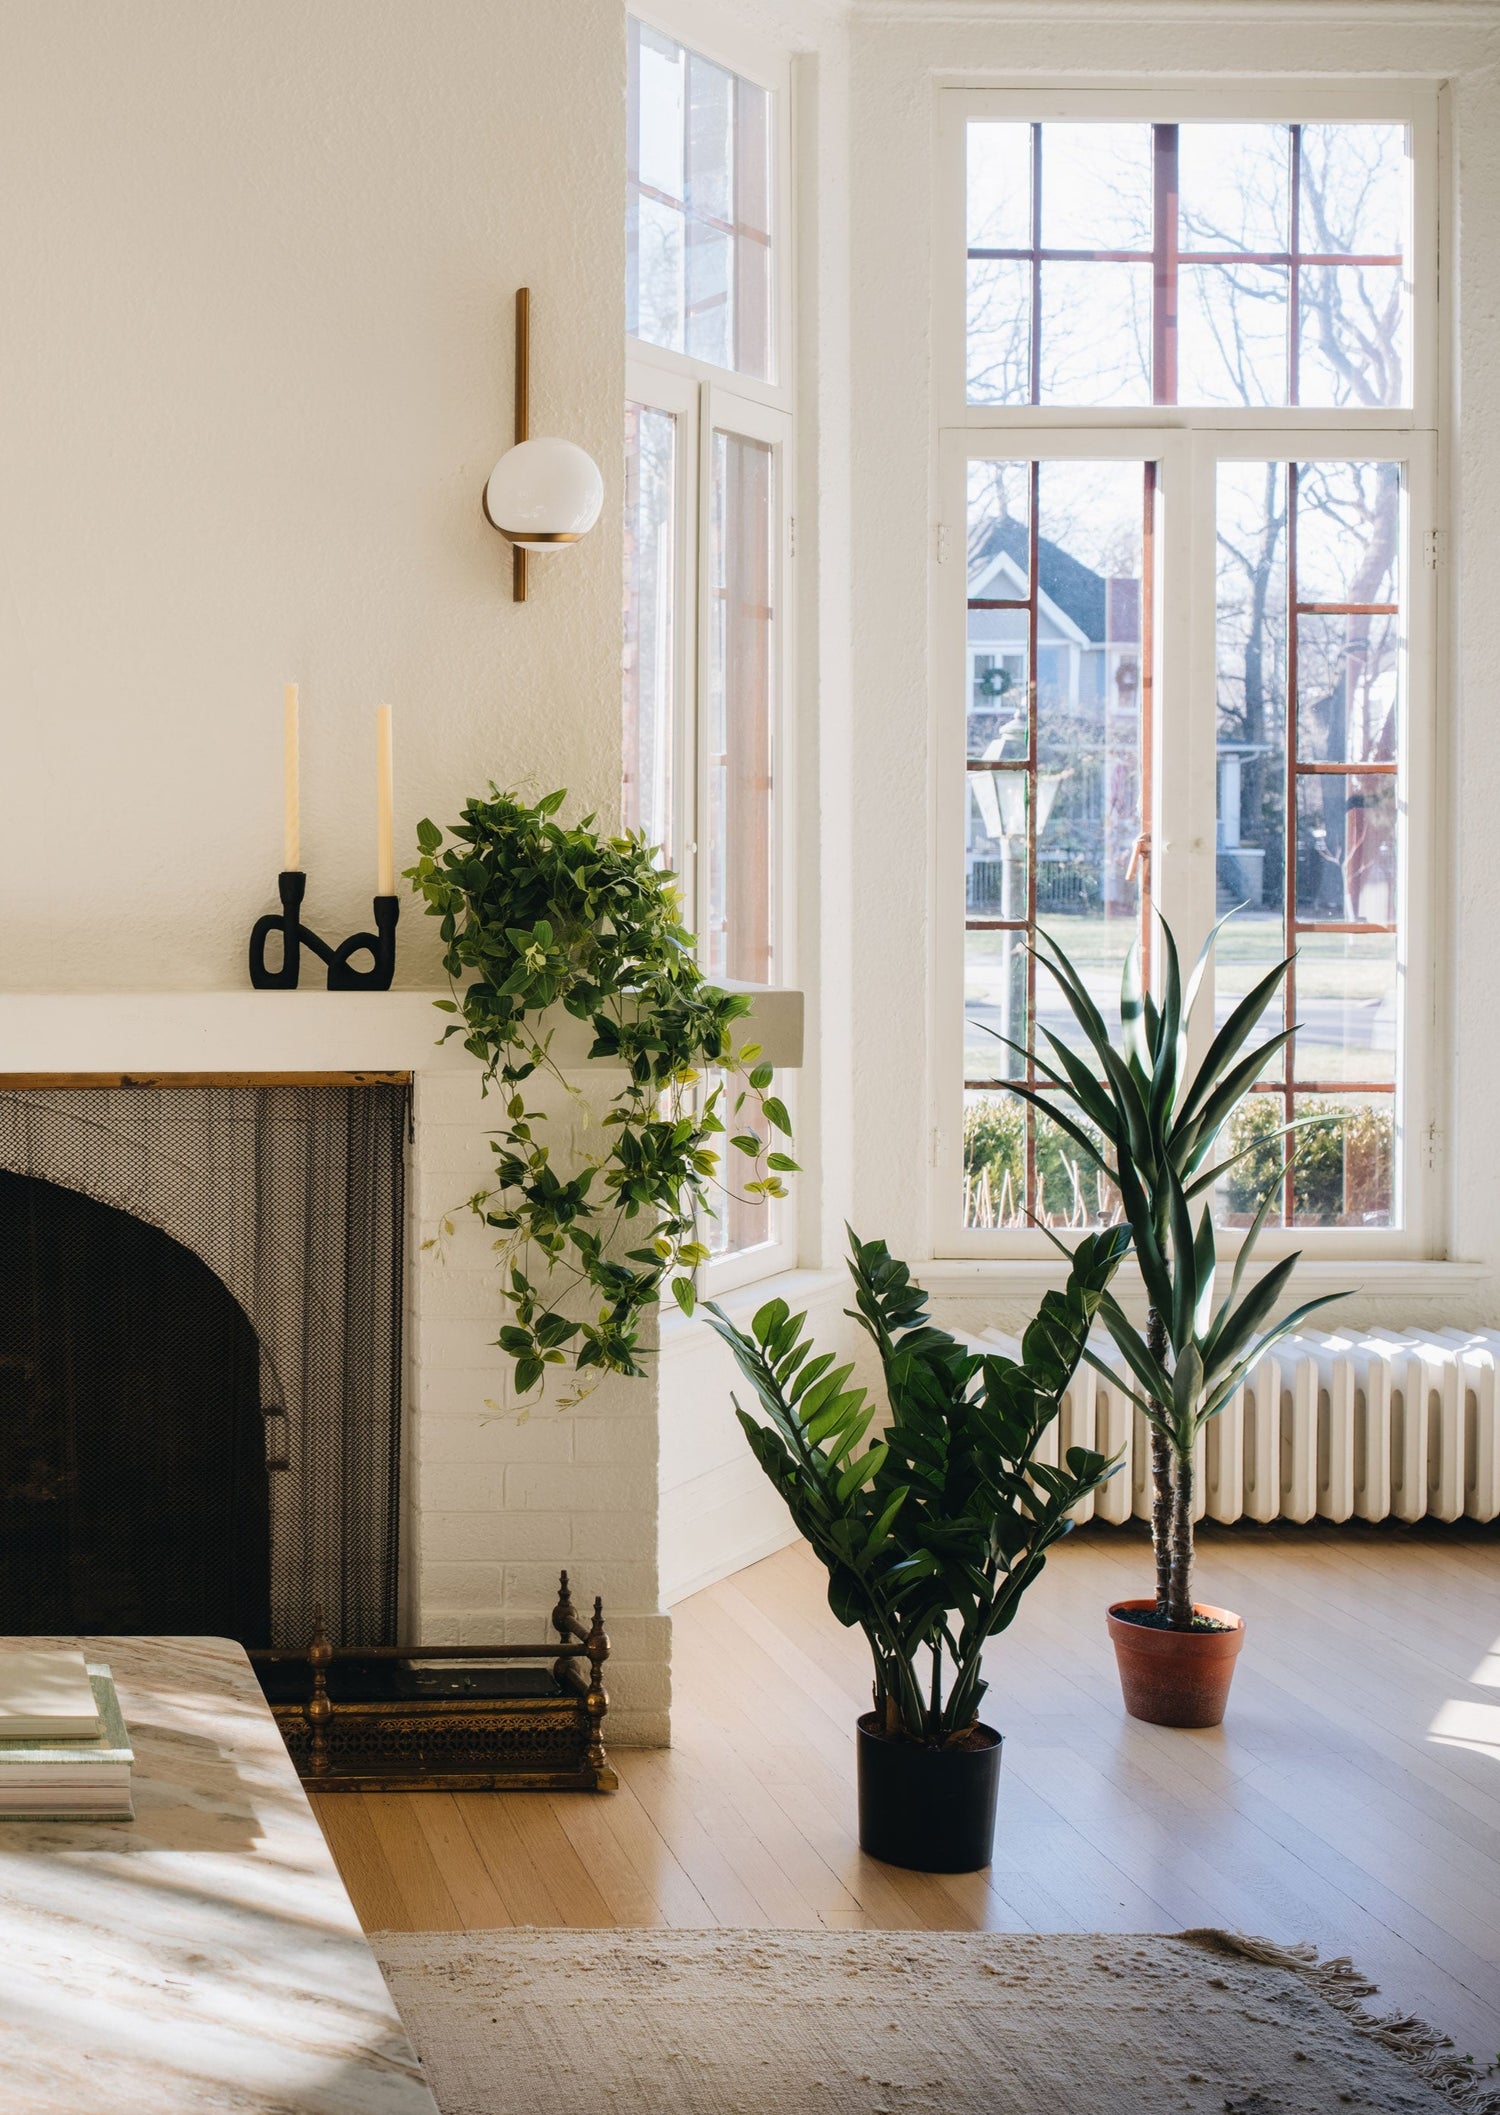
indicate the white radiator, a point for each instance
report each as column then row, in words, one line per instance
column 1369, row 1425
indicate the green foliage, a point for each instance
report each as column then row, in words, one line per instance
column 1160, row 1124
column 1342, row 1175
column 933, row 1531
column 536, row 915
column 1068, row 1188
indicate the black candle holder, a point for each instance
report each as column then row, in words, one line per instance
column 380, row 945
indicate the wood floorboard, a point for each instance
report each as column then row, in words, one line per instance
column 1325, row 1809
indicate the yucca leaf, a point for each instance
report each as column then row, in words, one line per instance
column 1028, row 1056
column 1184, row 1263
column 1241, row 1323
column 1133, row 1010
column 1232, row 1036
column 1054, row 1115
column 1205, row 1265
column 1247, row 1249
column 1192, row 1140
column 1087, row 1092
column 1224, row 1388
column 1190, row 998
column 1149, row 1371
column 1112, row 1375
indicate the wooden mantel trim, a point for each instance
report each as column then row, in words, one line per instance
column 48, row 1080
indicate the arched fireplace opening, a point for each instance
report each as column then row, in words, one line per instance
column 201, row 1300
column 134, row 1491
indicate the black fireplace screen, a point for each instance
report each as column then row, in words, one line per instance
column 200, row 1360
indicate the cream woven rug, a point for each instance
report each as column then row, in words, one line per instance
column 540, row 2022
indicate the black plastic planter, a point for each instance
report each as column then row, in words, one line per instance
column 930, row 1809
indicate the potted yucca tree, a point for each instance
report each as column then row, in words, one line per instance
column 1158, row 1124
column 932, row 1532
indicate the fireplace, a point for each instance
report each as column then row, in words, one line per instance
column 201, row 1301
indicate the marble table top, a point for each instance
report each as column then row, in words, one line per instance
column 204, row 1957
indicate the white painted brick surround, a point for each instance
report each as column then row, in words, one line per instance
column 497, row 1500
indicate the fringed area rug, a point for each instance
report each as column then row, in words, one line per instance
column 534, row 2022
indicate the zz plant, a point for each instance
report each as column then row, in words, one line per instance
column 536, row 916
column 932, row 1532
column 1156, row 1125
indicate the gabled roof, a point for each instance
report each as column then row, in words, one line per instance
column 1076, row 589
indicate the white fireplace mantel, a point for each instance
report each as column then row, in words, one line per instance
column 283, row 1031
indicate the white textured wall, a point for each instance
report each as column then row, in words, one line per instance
column 898, row 56
column 256, row 271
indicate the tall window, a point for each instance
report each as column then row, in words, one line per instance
column 707, row 525
column 1188, row 406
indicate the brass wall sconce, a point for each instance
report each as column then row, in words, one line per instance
column 543, row 494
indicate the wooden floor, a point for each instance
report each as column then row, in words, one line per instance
column 1352, row 1799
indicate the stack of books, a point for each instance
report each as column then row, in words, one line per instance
column 64, row 1751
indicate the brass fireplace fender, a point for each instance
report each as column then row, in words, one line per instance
column 456, row 1744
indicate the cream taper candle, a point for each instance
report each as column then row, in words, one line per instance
column 385, row 800
column 292, row 850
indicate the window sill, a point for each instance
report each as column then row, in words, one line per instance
column 982, row 1278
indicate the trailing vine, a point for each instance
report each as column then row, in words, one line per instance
column 535, row 916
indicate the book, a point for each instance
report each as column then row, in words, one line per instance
column 72, row 1780
column 45, row 1694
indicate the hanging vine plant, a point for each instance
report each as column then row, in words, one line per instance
column 535, row 916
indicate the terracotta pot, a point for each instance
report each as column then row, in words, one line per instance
column 1176, row 1677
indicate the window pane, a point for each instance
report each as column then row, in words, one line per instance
column 1345, row 998
column 1352, row 337
column 1063, row 1189
column 999, row 202
column 1348, row 531
column 1255, row 1143
column 1096, row 187
column 1074, row 815
column 710, row 236
column 999, row 566
column 1346, row 1007
column 999, row 350
column 1348, row 681
column 1344, row 1174
column 1354, row 184
column 1096, row 334
column 996, row 845
column 1234, row 187
column 698, row 207
column 1251, row 672
column 994, row 1004
column 739, row 733
column 1346, row 1162
column 1232, row 334
column 738, row 1222
column 998, row 731
column 650, row 623
column 1346, row 848
column 1091, row 526
column 999, row 547
column 1247, row 950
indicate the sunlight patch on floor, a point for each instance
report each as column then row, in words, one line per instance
column 1460, row 1724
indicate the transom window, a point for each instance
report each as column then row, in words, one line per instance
column 1187, row 666
column 1131, row 264
column 701, row 147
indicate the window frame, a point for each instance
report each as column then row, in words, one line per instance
column 1189, row 443
column 706, row 399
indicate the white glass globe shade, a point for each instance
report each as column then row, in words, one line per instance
column 544, row 494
